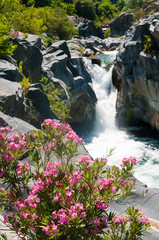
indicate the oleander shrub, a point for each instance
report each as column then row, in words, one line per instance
column 52, row 197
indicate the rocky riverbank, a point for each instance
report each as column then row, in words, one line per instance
column 135, row 76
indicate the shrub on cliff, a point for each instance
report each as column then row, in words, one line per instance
column 6, row 46
column 61, row 200
column 37, row 20
column 85, row 8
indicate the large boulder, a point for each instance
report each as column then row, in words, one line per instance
column 136, row 73
column 87, row 28
column 30, row 54
column 11, row 98
column 113, row 43
column 83, row 101
column 67, row 69
column 40, row 102
column 121, row 24
column 9, row 71
column 143, row 198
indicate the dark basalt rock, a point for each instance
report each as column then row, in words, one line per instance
column 11, row 98
column 87, row 28
column 60, row 45
column 17, row 124
column 40, row 102
column 137, row 77
column 9, row 71
column 112, row 44
column 31, row 57
column 121, row 24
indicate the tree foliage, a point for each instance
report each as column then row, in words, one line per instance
column 85, row 8
column 6, row 46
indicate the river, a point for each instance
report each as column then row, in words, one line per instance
column 104, row 134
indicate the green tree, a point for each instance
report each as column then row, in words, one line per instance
column 85, row 8
column 6, row 46
column 106, row 9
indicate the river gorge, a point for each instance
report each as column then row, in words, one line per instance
column 104, row 133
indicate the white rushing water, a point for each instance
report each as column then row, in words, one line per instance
column 105, row 135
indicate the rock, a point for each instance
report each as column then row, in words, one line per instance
column 95, row 60
column 87, row 28
column 60, row 45
column 16, row 124
column 58, row 66
column 78, row 68
column 88, row 52
column 147, row 204
column 31, row 57
column 36, row 41
column 83, row 101
column 40, row 102
column 112, row 44
column 94, row 43
column 9, row 71
column 137, row 77
column 11, row 98
column 154, row 30
column 121, row 24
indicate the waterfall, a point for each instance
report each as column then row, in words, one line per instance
column 105, row 135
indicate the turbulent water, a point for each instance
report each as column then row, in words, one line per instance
column 127, row 141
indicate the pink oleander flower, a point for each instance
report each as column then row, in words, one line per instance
column 113, row 190
column 84, row 159
column 57, row 197
column 131, row 160
column 34, row 216
column 101, row 205
column 75, row 178
column 7, row 156
column 5, row 219
column 119, row 219
column 106, row 183
column 46, row 230
column 2, row 172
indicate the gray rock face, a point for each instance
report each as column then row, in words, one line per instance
column 40, row 102
column 9, row 71
column 136, row 73
column 16, row 124
column 144, row 203
column 121, row 24
column 68, row 69
column 83, row 100
column 31, row 56
column 36, row 41
column 11, row 97
column 112, row 43
column 87, row 28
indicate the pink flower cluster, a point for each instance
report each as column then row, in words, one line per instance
column 51, row 124
column 106, row 183
column 101, row 205
column 130, row 160
column 119, row 219
column 7, row 156
column 14, row 34
column 142, row 220
column 22, row 167
column 84, row 159
column 75, row 177
column 71, row 135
